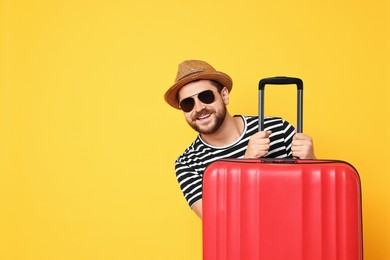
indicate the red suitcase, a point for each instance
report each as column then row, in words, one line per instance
column 281, row 209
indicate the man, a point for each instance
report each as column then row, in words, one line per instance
column 202, row 93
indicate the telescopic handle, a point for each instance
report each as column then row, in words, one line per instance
column 281, row 81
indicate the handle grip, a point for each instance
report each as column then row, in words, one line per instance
column 281, row 81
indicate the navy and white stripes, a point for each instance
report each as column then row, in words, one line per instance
column 191, row 164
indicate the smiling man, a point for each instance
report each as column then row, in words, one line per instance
column 202, row 93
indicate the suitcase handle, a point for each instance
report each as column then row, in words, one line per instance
column 281, row 81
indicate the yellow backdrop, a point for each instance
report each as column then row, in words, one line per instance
column 87, row 144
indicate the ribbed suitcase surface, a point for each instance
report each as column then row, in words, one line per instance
column 294, row 209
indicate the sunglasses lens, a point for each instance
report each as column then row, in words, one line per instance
column 206, row 97
column 187, row 104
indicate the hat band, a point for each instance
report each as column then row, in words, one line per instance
column 190, row 74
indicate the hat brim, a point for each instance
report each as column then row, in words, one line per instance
column 171, row 94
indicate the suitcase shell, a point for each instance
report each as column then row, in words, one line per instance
column 287, row 209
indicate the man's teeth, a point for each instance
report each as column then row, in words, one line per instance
column 202, row 117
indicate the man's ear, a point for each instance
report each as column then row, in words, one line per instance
column 225, row 95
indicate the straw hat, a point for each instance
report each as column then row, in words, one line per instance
column 191, row 70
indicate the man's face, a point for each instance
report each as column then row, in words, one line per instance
column 204, row 118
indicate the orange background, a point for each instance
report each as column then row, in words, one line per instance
column 87, row 144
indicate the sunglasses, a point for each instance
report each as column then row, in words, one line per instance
column 206, row 97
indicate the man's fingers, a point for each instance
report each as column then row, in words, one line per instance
column 301, row 136
column 300, row 142
column 263, row 134
column 258, row 145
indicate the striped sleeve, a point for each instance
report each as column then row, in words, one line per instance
column 190, row 182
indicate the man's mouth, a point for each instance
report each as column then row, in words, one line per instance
column 202, row 117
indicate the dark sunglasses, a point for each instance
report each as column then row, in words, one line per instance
column 206, row 97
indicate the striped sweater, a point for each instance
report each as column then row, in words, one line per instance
column 191, row 164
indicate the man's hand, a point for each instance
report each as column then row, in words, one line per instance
column 258, row 145
column 302, row 146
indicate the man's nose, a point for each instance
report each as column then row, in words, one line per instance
column 198, row 106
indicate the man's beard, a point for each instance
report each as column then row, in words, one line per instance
column 214, row 126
